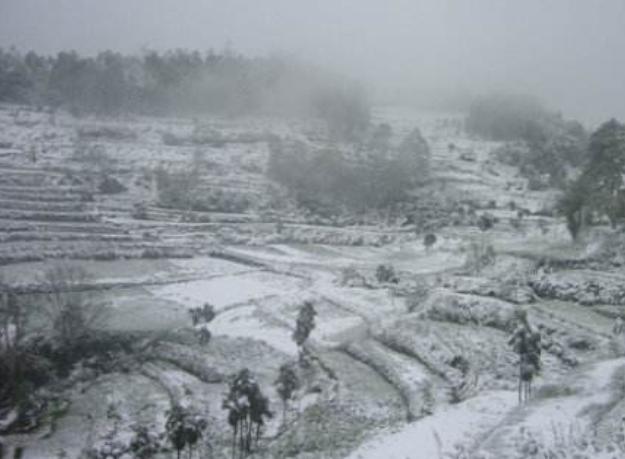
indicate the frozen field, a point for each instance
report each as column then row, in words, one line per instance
column 383, row 382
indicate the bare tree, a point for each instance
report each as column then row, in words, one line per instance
column 71, row 311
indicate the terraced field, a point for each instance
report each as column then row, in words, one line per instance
column 386, row 372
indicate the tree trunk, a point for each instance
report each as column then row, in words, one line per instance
column 249, row 436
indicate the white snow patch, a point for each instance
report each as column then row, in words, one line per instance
column 243, row 322
column 453, row 424
column 227, row 291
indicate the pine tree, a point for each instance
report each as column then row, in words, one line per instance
column 286, row 384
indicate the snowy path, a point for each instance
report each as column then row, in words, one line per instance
column 436, row 435
column 548, row 418
column 492, row 418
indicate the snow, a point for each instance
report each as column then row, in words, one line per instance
column 327, row 330
column 255, row 303
column 245, row 322
column 227, row 291
column 453, row 425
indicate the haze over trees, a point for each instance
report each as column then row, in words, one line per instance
column 192, row 241
column 599, row 188
column 540, row 142
column 377, row 175
column 182, row 82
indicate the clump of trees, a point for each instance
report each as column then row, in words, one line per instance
column 286, row 385
column 600, row 186
column 203, row 316
column 181, row 189
column 541, row 143
column 181, row 82
column 205, row 313
column 43, row 334
column 247, row 409
column 328, row 180
column 184, row 429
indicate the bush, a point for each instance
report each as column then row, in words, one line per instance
column 486, row 221
column 110, row 185
column 386, row 274
column 429, row 240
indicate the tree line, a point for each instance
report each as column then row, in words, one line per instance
column 599, row 190
column 587, row 167
column 180, row 82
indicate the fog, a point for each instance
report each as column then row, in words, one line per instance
column 569, row 53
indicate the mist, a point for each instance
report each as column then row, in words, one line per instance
column 312, row 229
column 567, row 53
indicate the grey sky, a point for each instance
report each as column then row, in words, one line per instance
column 571, row 53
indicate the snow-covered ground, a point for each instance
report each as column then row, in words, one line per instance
column 377, row 361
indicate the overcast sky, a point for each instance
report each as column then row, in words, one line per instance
column 570, row 53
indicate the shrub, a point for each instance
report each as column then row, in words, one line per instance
column 386, row 274
column 429, row 240
column 110, row 185
column 486, row 221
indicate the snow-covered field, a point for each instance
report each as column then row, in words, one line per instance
column 384, row 372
